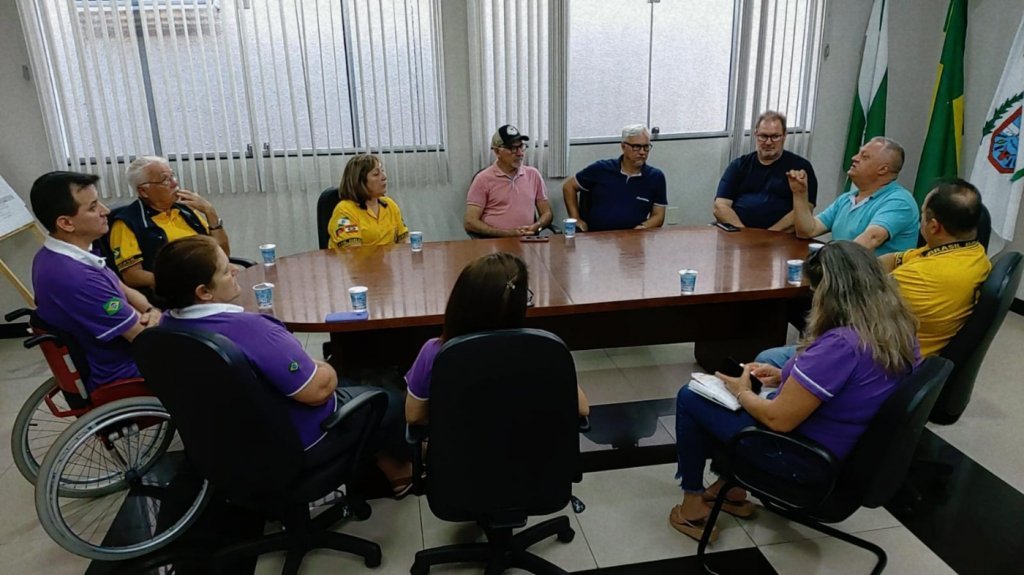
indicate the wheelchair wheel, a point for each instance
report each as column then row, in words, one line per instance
column 117, row 485
column 36, row 428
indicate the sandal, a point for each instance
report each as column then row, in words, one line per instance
column 742, row 509
column 400, row 487
column 693, row 528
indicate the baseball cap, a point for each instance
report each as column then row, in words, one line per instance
column 506, row 135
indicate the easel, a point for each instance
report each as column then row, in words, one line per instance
column 27, row 295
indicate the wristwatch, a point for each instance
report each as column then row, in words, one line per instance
column 220, row 224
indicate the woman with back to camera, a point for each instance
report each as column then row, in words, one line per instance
column 195, row 279
column 364, row 217
column 491, row 293
column 860, row 343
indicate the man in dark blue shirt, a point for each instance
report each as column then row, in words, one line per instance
column 620, row 193
column 754, row 190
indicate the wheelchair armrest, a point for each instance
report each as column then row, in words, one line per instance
column 244, row 262
column 20, row 312
column 791, row 470
column 353, row 405
column 584, row 425
column 38, row 339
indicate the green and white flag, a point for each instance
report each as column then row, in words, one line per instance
column 940, row 156
column 999, row 166
column 868, row 117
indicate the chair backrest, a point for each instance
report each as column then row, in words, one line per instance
column 66, row 360
column 878, row 464
column 235, row 428
column 968, row 347
column 325, row 205
column 504, row 426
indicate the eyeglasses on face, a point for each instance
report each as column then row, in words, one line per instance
column 164, row 182
column 771, row 137
column 639, row 147
column 515, row 148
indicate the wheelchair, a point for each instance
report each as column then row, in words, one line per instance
column 112, row 481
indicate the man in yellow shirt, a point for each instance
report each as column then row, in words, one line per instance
column 162, row 213
column 940, row 281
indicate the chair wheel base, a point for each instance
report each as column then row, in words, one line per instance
column 566, row 536
column 418, row 569
column 372, row 560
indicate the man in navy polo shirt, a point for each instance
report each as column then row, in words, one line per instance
column 620, row 193
column 74, row 290
column 754, row 191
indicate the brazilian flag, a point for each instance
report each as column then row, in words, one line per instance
column 940, row 157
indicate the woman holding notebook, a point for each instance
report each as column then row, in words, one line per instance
column 859, row 344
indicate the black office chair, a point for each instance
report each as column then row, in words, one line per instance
column 968, row 347
column 504, row 445
column 237, row 433
column 822, row 489
column 329, row 199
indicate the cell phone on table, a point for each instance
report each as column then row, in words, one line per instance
column 726, row 227
column 534, row 238
column 733, row 368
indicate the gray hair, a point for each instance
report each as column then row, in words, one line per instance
column 635, row 130
column 894, row 151
column 136, row 172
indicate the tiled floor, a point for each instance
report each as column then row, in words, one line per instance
column 625, row 522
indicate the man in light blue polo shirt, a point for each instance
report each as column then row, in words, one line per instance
column 878, row 213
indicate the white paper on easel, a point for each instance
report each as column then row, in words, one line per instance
column 13, row 213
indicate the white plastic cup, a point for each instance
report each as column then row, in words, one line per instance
column 811, row 248
column 264, row 295
column 794, row 271
column 269, row 254
column 687, row 281
column 358, row 296
column 416, row 241
column 569, row 227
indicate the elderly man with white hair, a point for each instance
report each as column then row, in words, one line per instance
column 162, row 213
column 621, row 193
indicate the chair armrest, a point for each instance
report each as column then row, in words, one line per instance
column 353, row 405
column 584, row 425
column 38, row 339
column 244, row 262
column 20, row 312
column 416, row 434
column 787, row 469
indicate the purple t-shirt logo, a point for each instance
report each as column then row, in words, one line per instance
column 112, row 306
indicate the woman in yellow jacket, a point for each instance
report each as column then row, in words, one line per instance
column 364, row 217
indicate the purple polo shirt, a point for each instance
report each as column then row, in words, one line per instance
column 840, row 372
column 507, row 202
column 418, row 377
column 78, row 294
column 272, row 351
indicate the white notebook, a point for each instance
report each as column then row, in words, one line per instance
column 712, row 388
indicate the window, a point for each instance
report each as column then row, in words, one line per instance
column 667, row 63
column 227, row 78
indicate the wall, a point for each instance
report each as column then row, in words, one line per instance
column 692, row 166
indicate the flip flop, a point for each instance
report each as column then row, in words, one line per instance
column 401, row 487
column 742, row 509
column 693, row 528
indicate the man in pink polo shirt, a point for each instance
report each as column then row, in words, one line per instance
column 505, row 198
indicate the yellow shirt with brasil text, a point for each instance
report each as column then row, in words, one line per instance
column 351, row 225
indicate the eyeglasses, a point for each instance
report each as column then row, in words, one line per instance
column 772, row 137
column 164, row 182
column 639, row 147
column 514, row 148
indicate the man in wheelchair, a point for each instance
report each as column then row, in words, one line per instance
column 74, row 290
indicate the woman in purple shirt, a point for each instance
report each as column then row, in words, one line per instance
column 195, row 279
column 860, row 343
column 491, row 293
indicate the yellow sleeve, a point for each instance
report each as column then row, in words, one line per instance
column 401, row 230
column 344, row 226
column 125, row 246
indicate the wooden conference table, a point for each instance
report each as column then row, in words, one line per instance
column 598, row 290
